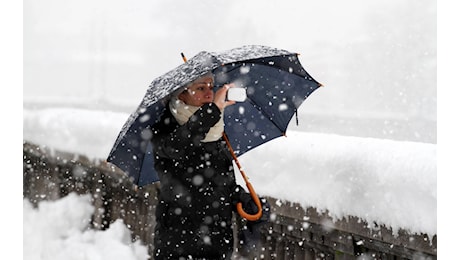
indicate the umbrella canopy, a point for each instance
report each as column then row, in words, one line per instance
column 276, row 85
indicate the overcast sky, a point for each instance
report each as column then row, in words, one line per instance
column 376, row 59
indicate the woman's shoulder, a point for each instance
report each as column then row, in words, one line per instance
column 165, row 123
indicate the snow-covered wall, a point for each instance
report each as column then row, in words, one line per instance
column 388, row 182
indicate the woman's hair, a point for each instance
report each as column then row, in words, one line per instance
column 184, row 88
column 207, row 75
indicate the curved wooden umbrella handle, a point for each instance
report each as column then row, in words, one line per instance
column 239, row 206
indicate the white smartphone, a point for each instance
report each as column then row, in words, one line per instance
column 236, row 94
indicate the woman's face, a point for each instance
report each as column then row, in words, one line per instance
column 199, row 92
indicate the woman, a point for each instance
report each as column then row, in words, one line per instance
column 198, row 190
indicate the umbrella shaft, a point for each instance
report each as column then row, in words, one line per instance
column 235, row 158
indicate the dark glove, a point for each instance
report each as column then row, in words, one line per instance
column 250, row 207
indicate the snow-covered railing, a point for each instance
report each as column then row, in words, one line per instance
column 292, row 233
column 299, row 233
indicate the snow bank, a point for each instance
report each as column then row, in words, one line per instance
column 59, row 230
column 389, row 182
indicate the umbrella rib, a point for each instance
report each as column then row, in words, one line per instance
column 265, row 114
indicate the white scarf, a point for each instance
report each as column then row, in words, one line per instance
column 182, row 112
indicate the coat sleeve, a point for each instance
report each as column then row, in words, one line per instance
column 185, row 138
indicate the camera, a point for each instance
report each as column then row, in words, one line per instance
column 236, row 94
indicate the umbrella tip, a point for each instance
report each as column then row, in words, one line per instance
column 183, row 57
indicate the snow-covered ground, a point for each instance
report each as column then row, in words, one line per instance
column 60, row 230
column 390, row 182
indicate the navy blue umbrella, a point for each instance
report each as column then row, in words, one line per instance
column 276, row 85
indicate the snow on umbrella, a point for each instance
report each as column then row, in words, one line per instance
column 276, row 85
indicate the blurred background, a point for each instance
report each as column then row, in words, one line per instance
column 376, row 59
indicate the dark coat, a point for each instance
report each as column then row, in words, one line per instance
column 198, row 189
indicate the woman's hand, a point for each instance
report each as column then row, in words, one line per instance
column 221, row 95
